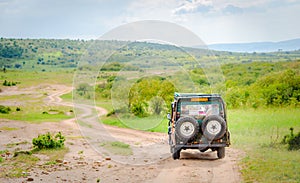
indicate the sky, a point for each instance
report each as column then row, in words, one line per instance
column 213, row 21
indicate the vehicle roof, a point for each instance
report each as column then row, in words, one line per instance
column 191, row 95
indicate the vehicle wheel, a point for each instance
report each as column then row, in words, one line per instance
column 176, row 154
column 213, row 127
column 203, row 149
column 221, row 152
column 186, row 128
column 170, row 139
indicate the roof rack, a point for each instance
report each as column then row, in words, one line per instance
column 183, row 95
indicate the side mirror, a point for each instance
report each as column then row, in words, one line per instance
column 169, row 116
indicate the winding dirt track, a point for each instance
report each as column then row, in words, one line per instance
column 150, row 161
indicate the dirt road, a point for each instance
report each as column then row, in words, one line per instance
column 149, row 162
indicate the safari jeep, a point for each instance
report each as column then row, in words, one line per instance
column 198, row 121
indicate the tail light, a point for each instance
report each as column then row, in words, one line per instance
column 177, row 115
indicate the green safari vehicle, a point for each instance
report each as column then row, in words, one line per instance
column 198, row 121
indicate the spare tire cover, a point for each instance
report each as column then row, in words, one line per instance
column 186, row 128
column 213, row 127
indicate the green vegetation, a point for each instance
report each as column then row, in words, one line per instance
column 263, row 85
column 10, row 83
column 26, row 78
column 118, row 148
column 6, row 128
column 22, row 161
column 148, row 96
column 116, row 66
column 84, row 90
column 9, row 50
column 4, row 109
column 48, row 141
column 10, row 145
column 262, row 92
column 292, row 140
column 259, row 133
column 18, row 166
column 67, row 97
column 53, row 154
column 36, row 115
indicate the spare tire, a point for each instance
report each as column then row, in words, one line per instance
column 213, row 127
column 186, row 128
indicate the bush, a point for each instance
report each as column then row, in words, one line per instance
column 47, row 141
column 292, row 140
column 10, row 83
column 4, row 110
column 111, row 113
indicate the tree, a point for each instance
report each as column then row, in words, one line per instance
column 83, row 89
column 157, row 105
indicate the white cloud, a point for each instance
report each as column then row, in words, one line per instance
column 194, row 6
column 212, row 20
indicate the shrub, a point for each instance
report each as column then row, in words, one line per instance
column 292, row 140
column 111, row 113
column 47, row 141
column 4, row 83
column 4, row 110
column 10, row 83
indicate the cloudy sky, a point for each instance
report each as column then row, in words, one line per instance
column 214, row 21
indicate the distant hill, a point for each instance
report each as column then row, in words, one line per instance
column 289, row 45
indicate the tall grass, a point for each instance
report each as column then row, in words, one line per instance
column 259, row 133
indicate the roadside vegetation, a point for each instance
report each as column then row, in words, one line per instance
column 262, row 92
column 18, row 163
column 118, row 148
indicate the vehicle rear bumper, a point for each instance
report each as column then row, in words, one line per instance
column 200, row 146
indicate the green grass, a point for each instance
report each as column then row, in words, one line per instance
column 19, row 165
column 33, row 105
column 33, row 109
column 10, row 145
column 153, row 123
column 36, row 116
column 258, row 133
column 117, row 148
column 6, row 128
column 53, row 154
column 104, row 103
column 271, row 165
column 16, row 166
column 256, row 127
column 67, row 97
column 32, row 79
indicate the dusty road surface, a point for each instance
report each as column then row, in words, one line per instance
column 150, row 160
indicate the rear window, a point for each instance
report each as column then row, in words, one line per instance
column 199, row 110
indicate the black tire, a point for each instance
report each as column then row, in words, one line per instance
column 176, row 154
column 204, row 149
column 213, row 127
column 221, row 152
column 186, row 129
